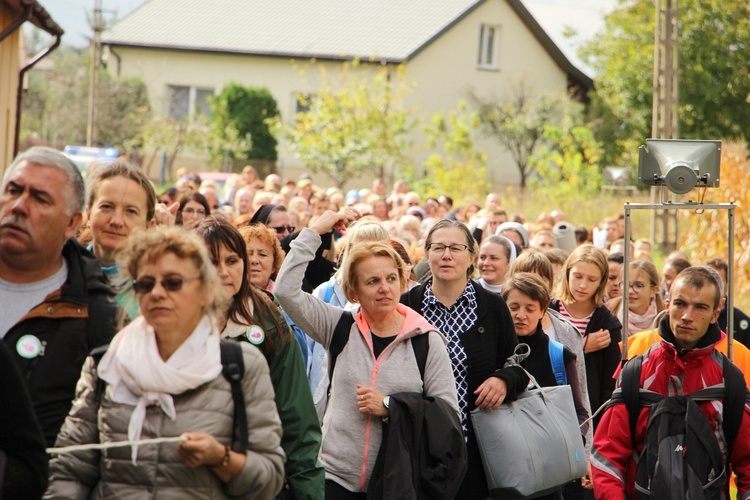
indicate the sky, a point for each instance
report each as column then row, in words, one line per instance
column 585, row 16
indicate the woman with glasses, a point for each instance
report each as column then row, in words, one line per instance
column 161, row 377
column 251, row 316
column 644, row 300
column 377, row 360
column 193, row 209
column 479, row 330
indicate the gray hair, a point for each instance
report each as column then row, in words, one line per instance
column 75, row 190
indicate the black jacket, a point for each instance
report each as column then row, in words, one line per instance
column 70, row 322
column 488, row 345
column 601, row 364
column 741, row 325
column 423, row 452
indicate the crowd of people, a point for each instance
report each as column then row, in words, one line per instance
column 269, row 339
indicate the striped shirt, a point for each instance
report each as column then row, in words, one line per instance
column 579, row 323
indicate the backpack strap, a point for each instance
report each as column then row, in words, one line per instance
column 631, row 385
column 558, row 362
column 329, row 292
column 338, row 341
column 421, row 346
column 98, row 353
column 233, row 369
column 735, row 397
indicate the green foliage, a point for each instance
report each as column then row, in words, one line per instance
column 518, row 121
column 55, row 108
column 569, row 164
column 355, row 122
column 460, row 169
column 714, row 45
column 245, row 109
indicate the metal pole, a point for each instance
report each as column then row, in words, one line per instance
column 625, row 284
column 730, row 284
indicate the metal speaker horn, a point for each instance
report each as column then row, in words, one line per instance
column 679, row 165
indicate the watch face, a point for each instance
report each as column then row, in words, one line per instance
column 387, row 401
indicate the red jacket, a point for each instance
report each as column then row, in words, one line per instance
column 613, row 465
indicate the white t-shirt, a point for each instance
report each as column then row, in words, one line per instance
column 17, row 299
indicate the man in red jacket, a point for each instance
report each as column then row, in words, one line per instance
column 686, row 353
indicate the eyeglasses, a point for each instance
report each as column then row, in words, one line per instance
column 191, row 211
column 281, row 229
column 637, row 287
column 454, row 248
column 170, row 284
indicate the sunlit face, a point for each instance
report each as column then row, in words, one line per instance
column 612, row 231
column 280, row 222
column 614, row 278
column 260, row 263
column 192, row 214
column 640, row 292
column 381, row 210
column 525, row 312
column 493, row 264
column 243, row 201
column 378, row 286
column 229, row 267
column 120, row 207
column 449, row 265
column 669, row 273
column 583, row 280
column 172, row 313
column 542, row 241
column 691, row 310
column 494, row 220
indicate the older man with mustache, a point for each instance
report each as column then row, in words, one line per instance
column 55, row 303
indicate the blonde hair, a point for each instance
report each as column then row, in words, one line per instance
column 590, row 255
column 151, row 245
column 365, row 250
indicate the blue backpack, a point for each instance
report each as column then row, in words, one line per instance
column 555, row 350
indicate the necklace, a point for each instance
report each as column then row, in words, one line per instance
column 399, row 323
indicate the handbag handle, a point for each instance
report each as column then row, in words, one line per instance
column 520, row 353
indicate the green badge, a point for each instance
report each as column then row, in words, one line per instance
column 255, row 334
column 29, row 347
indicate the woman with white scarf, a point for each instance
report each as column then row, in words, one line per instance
column 163, row 379
column 644, row 300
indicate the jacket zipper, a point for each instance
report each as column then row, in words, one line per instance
column 373, row 379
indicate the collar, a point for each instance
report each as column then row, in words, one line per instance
column 710, row 338
column 468, row 295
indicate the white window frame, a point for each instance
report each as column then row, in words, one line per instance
column 489, row 47
column 192, row 98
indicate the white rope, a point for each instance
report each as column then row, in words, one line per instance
column 113, row 444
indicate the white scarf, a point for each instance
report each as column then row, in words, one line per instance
column 138, row 376
column 639, row 323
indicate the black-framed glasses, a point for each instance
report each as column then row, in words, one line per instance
column 637, row 287
column 454, row 248
column 281, row 229
column 170, row 284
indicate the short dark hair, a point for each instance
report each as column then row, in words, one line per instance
column 700, row 276
column 616, row 257
column 529, row 284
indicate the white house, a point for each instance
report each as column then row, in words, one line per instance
column 187, row 50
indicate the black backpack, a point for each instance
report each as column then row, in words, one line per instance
column 681, row 457
column 233, row 369
column 419, row 343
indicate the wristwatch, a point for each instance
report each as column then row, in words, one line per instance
column 387, row 402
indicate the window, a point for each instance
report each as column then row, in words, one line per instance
column 302, row 103
column 489, row 44
column 183, row 101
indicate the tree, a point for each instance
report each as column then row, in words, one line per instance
column 55, row 106
column 518, row 121
column 569, row 163
column 460, row 170
column 354, row 123
column 245, row 109
column 714, row 44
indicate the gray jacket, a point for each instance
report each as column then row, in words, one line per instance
column 351, row 440
column 160, row 472
column 568, row 335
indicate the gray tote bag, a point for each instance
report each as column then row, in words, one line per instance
column 532, row 446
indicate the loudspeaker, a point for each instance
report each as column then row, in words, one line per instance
column 678, row 164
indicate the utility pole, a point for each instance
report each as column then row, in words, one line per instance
column 96, row 55
column 665, row 119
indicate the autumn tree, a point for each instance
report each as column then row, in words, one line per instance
column 353, row 123
column 518, row 120
column 458, row 169
column 714, row 44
